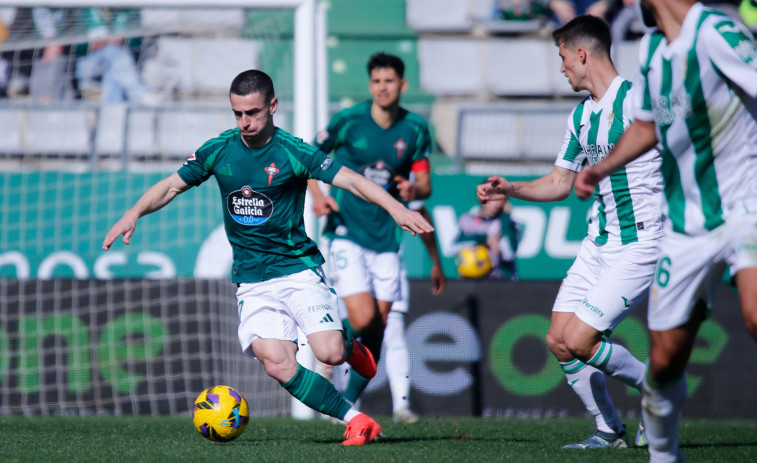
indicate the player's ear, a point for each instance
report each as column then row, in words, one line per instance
column 581, row 52
column 404, row 85
column 274, row 105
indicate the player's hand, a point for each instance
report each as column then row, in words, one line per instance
column 494, row 189
column 586, row 181
column 324, row 206
column 413, row 222
column 125, row 226
column 405, row 187
column 438, row 282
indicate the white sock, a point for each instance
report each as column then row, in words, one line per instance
column 661, row 409
column 618, row 362
column 351, row 414
column 397, row 360
column 589, row 383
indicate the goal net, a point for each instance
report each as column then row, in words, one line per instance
column 100, row 102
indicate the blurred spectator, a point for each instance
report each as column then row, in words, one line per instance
column 487, row 241
column 18, row 63
column 6, row 17
column 521, row 10
column 50, row 77
column 565, row 10
column 110, row 67
column 626, row 25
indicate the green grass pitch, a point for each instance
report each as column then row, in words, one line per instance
column 437, row 440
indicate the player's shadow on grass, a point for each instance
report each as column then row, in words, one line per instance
column 403, row 439
column 723, row 445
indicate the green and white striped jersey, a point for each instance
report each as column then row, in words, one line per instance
column 700, row 90
column 628, row 203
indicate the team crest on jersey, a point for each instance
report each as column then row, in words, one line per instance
column 400, row 146
column 271, row 171
column 191, row 158
column 249, row 207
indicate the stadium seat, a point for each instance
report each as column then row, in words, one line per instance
column 60, row 131
column 527, row 131
column 111, row 129
column 140, row 136
column 199, row 65
column 451, row 66
column 368, row 18
column 439, row 15
column 11, row 121
column 195, row 20
column 519, row 67
column 181, row 132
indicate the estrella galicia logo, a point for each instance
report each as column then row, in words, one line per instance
column 379, row 173
column 249, row 207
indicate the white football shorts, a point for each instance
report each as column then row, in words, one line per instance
column 606, row 282
column 273, row 309
column 355, row 269
column 691, row 268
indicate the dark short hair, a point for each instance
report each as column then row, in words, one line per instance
column 385, row 60
column 586, row 30
column 253, row 81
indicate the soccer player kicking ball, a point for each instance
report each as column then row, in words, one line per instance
column 262, row 173
column 616, row 261
column 698, row 81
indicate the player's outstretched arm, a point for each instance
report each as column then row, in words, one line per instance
column 639, row 138
column 554, row 186
column 438, row 281
column 153, row 199
column 363, row 188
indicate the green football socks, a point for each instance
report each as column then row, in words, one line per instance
column 316, row 392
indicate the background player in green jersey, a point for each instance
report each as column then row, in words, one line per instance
column 616, row 261
column 385, row 143
column 698, row 76
column 262, row 175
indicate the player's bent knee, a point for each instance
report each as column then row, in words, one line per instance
column 328, row 347
column 579, row 347
column 555, row 343
column 664, row 367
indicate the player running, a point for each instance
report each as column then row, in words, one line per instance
column 616, row 261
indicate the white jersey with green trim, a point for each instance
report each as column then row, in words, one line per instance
column 700, row 91
column 628, row 203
